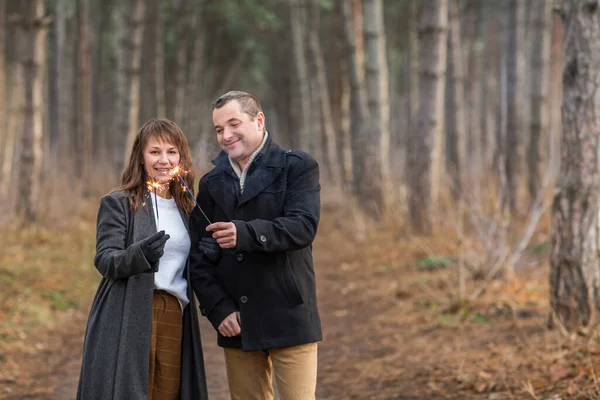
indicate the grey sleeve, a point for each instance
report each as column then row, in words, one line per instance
column 113, row 258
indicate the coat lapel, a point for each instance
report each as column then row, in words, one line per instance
column 144, row 224
column 268, row 167
column 222, row 189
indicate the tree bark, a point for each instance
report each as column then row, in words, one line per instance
column 85, row 96
column 159, row 68
column 515, row 103
column 475, row 135
column 413, row 63
column 135, row 76
column 424, row 145
column 456, row 148
column 540, row 74
column 298, row 20
column 377, row 79
column 323, row 98
column 3, row 74
column 34, row 64
column 574, row 260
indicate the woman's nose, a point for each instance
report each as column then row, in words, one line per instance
column 164, row 158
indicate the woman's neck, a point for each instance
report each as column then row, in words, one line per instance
column 165, row 194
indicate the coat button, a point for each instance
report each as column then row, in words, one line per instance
column 240, row 257
column 243, row 299
column 263, row 238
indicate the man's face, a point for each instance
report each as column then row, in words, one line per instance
column 238, row 134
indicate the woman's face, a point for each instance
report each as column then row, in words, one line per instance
column 159, row 158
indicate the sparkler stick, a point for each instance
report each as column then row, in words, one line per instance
column 176, row 172
column 153, row 185
column 156, row 202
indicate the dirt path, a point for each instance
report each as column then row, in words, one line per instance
column 391, row 332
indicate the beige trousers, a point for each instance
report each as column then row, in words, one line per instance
column 250, row 373
column 165, row 347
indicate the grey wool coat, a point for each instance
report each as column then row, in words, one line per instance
column 116, row 350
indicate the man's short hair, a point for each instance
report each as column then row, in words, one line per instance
column 248, row 103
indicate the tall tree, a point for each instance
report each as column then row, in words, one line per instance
column 367, row 170
column 515, row 103
column 413, row 64
column 3, row 72
column 302, row 84
column 33, row 58
column 134, row 91
column 159, row 68
column 473, row 89
column 424, row 143
column 574, row 260
column 377, row 79
column 85, row 94
column 323, row 97
column 456, row 140
column 540, row 73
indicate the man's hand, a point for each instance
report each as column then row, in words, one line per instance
column 225, row 233
column 230, row 326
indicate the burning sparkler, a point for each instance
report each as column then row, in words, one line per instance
column 175, row 173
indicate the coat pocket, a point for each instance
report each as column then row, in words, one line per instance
column 288, row 282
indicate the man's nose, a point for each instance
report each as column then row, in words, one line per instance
column 227, row 134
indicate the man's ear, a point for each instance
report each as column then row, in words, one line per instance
column 261, row 120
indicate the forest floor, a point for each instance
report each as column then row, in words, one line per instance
column 393, row 328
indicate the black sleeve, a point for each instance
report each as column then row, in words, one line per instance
column 215, row 302
column 297, row 227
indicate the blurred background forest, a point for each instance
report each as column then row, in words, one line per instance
column 437, row 125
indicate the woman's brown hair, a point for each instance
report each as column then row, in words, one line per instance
column 134, row 178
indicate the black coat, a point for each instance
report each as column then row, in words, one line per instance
column 116, row 350
column 269, row 277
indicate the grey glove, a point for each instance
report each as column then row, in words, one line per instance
column 153, row 246
column 210, row 248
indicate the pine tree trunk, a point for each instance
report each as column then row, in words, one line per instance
column 556, row 95
column 184, row 33
column 515, row 69
column 65, row 82
column 323, row 98
column 14, row 127
column 540, row 111
column 159, row 67
column 302, row 84
column 85, row 95
column 475, row 135
column 135, row 76
column 194, row 93
column 34, row 64
column 122, row 105
column 575, row 269
column 377, row 79
column 424, row 146
column 456, row 148
column 3, row 72
column 413, row 63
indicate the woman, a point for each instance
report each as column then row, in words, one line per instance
column 142, row 339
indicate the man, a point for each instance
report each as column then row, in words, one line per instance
column 258, row 290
